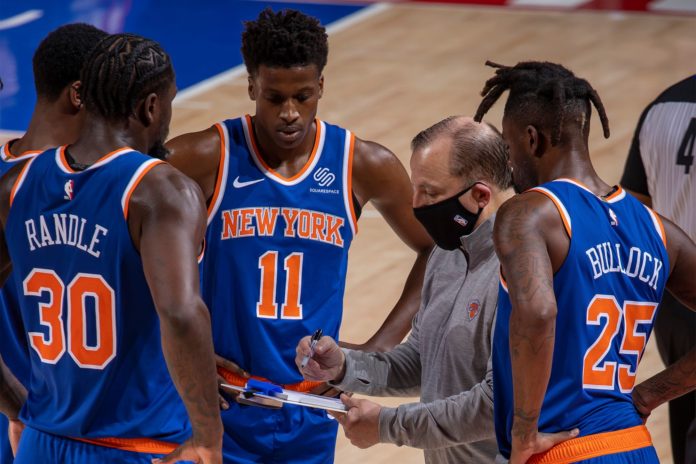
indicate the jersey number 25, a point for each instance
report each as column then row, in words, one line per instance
column 599, row 374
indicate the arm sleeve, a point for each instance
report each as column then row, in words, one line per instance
column 634, row 177
column 394, row 373
column 463, row 418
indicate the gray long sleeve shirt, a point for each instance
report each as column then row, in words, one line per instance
column 446, row 359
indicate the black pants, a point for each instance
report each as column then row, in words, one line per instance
column 675, row 334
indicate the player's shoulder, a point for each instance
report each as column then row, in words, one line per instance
column 9, row 181
column 369, row 155
column 529, row 211
column 206, row 141
column 164, row 186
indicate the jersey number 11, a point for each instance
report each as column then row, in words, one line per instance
column 267, row 307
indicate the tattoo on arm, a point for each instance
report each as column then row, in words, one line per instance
column 527, row 268
column 673, row 382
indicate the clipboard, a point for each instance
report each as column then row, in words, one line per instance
column 265, row 394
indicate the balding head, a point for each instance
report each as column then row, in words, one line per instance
column 476, row 151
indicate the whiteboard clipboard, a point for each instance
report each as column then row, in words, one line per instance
column 254, row 394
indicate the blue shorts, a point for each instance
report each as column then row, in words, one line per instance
column 646, row 455
column 5, row 449
column 291, row 434
column 39, row 447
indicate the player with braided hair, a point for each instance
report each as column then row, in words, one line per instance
column 284, row 191
column 583, row 269
column 104, row 242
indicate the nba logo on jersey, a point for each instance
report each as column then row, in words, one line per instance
column 614, row 219
column 69, row 186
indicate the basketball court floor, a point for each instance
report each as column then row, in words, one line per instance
column 397, row 68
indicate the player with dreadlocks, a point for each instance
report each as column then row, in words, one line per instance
column 284, row 191
column 56, row 120
column 104, row 242
column 583, row 269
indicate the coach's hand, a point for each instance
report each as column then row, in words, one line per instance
column 539, row 443
column 232, row 367
column 192, row 450
column 327, row 364
column 14, row 432
column 361, row 422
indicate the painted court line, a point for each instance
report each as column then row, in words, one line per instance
column 549, row 3
column 225, row 76
column 20, row 19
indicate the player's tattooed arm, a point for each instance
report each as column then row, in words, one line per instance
column 673, row 382
column 679, row 378
column 167, row 222
column 380, row 178
column 527, row 269
column 682, row 259
column 527, row 256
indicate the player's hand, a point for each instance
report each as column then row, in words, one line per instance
column 540, row 443
column 14, row 432
column 326, row 365
column 193, row 451
column 640, row 405
column 361, row 422
column 232, row 367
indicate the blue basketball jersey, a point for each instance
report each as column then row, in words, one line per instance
column 277, row 249
column 607, row 293
column 97, row 368
column 13, row 343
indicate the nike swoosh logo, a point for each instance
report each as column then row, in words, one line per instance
column 239, row 185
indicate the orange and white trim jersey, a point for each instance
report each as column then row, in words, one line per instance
column 93, row 334
column 277, row 249
column 607, row 292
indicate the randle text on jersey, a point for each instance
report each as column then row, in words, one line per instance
column 65, row 229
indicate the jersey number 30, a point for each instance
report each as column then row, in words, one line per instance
column 599, row 374
column 50, row 344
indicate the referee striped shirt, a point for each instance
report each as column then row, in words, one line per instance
column 661, row 162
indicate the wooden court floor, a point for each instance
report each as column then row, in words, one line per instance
column 399, row 68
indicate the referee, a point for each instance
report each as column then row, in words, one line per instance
column 660, row 171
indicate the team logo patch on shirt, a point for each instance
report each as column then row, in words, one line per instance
column 473, row 309
column 69, row 185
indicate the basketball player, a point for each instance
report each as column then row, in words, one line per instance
column 585, row 266
column 284, row 191
column 57, row 119
column 659, row 172
column 103, row 240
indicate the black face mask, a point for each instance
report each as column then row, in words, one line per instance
column 447, row 221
